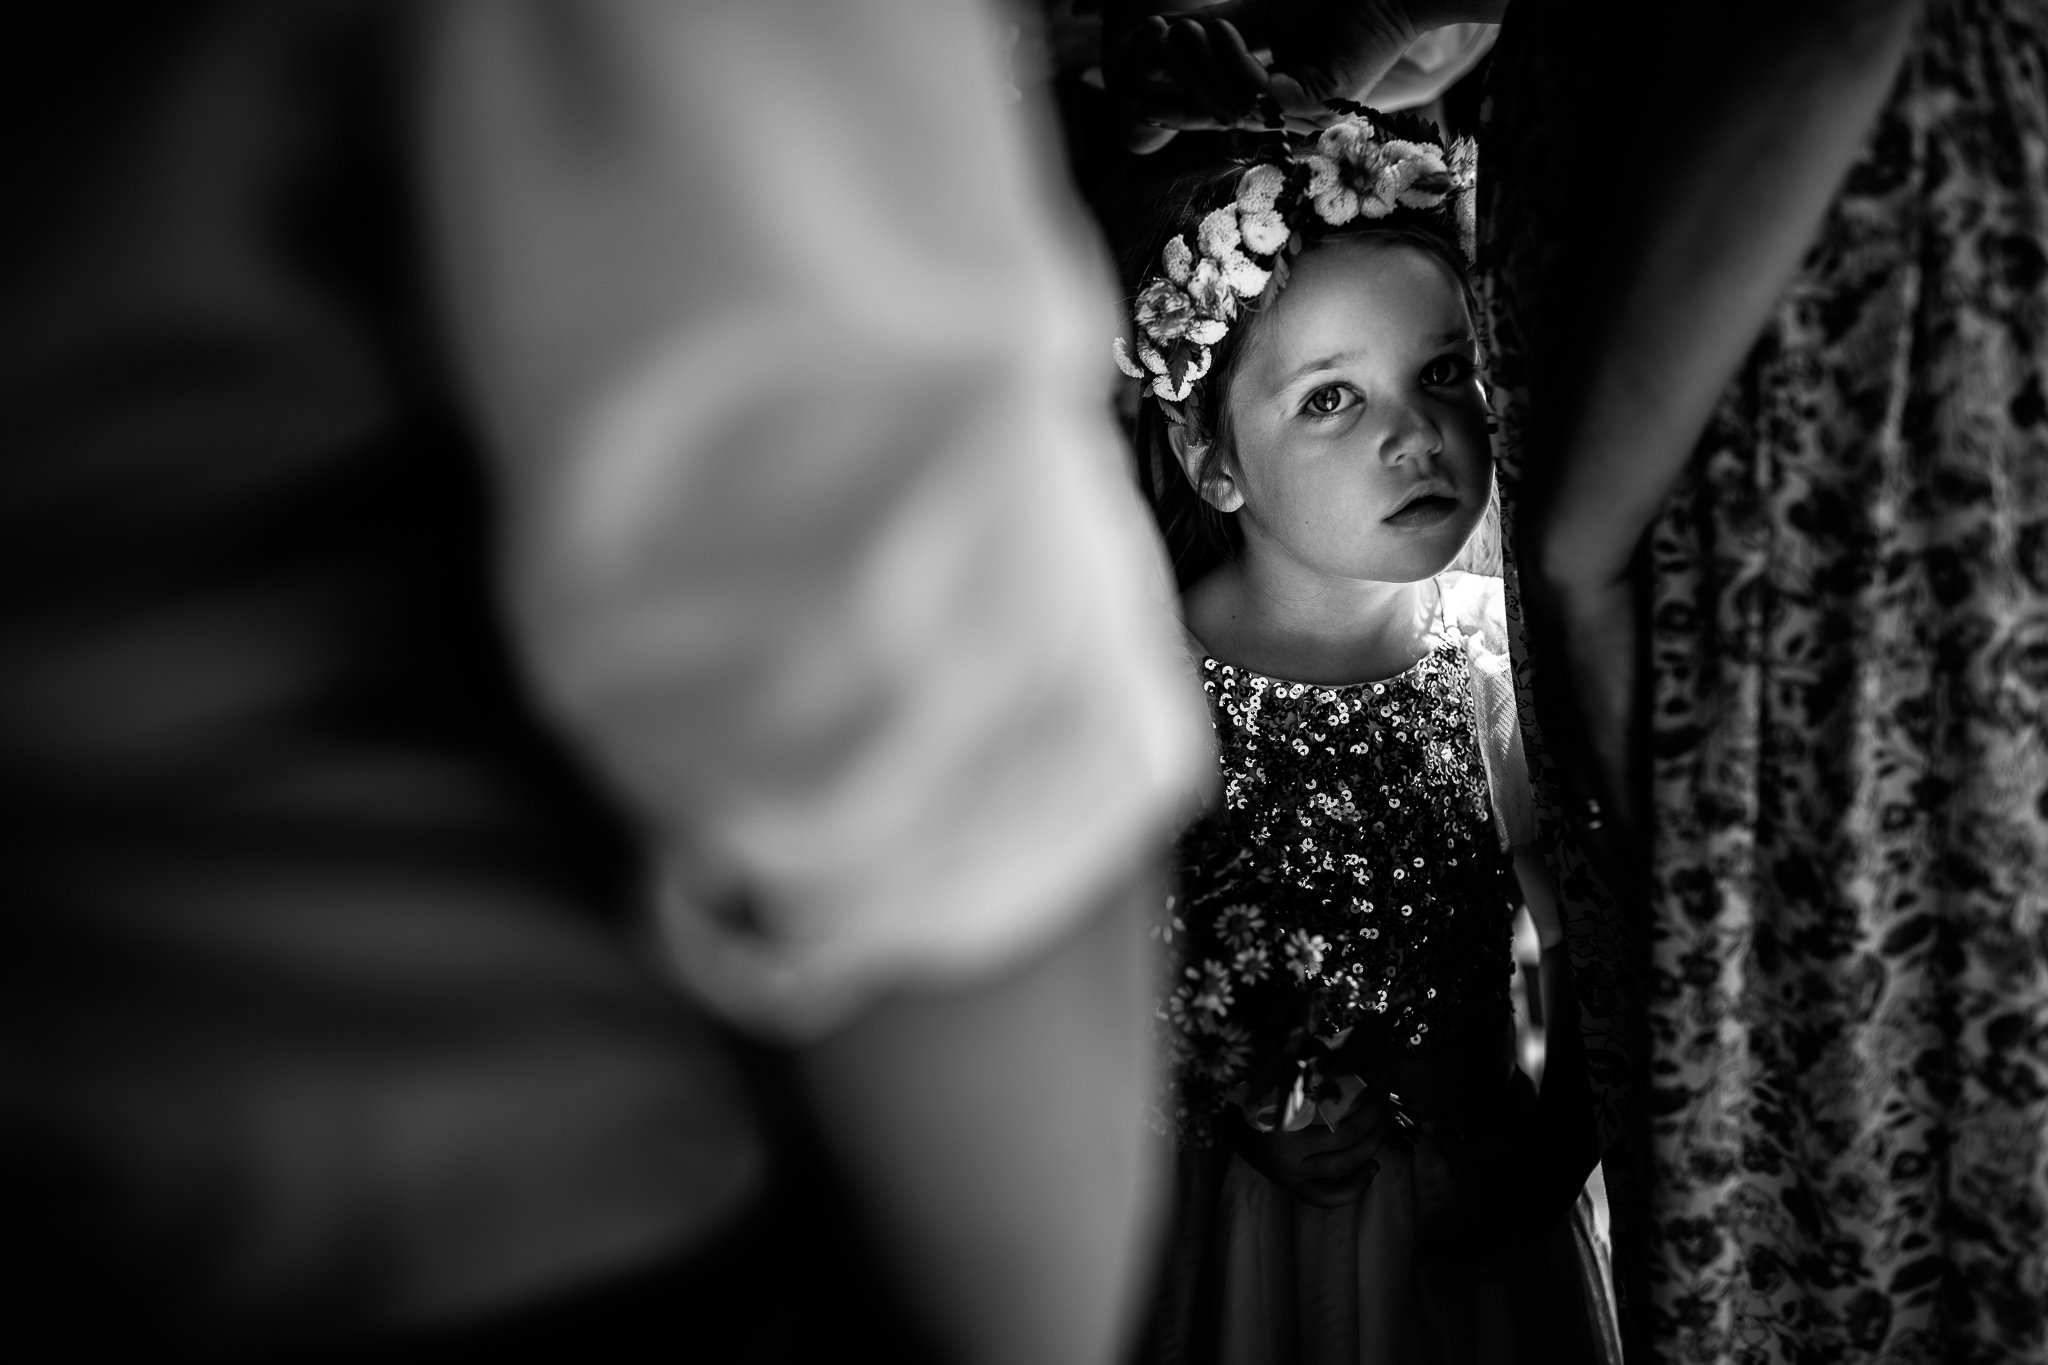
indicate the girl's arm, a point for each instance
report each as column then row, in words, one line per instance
column 1566, row 1145
column 1745, row 118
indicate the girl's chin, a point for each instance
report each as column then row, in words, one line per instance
column 1425, row 551
column 1410, row 568
column 1411, row 555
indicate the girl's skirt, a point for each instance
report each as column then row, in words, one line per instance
column 1256, row 1277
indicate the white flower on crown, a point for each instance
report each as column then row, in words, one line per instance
column 1218, row 233
column 1348, row 139
column 1334, row 202
column 1207, row 332
column 1428, row 158
column 1413, row 160
column 1260, row 187
column 1375, row 202
column 1164, row 312
column 1122, row 351
column 1322, row 175
column 1381, row 174
column 1248, row 279
column 1406, row 163
column 1338, row 207
column 1209, row 287
column 1178, row 259
column 1264, row 230
column 1149, row 356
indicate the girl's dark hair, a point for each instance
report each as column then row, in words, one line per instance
column 1198, row 536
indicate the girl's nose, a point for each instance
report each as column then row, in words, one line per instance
column 1409, row 433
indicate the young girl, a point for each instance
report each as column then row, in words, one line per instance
column 1367, row 1177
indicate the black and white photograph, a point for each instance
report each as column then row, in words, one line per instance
column 1024, row 682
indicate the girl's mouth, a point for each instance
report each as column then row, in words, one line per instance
column 1428, row 510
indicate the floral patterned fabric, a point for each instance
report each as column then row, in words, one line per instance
column 1847, row 1001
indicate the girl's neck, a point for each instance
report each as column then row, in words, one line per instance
column 1310, row 628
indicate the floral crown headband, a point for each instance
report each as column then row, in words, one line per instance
column 1237, row 252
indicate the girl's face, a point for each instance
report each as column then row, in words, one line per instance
column 1360, row 446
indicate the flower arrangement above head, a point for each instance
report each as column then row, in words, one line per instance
column 1364, row 165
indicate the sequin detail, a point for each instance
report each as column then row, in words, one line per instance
column 1360, row 812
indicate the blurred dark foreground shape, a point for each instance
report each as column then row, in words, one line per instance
column 321, row 1019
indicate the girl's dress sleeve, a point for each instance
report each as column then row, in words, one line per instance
column 1481, row 613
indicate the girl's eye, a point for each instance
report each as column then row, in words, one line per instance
column 1446, row 369
column 1326, row 401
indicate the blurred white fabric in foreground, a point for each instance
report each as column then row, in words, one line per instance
column 817, row 527
column 1433, row 63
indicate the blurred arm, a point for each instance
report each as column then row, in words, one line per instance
column 816, row 536
column 1187, row 64
column 1747, row 120
column 997, row 1130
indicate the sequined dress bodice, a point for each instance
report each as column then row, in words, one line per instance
column 1363, row 809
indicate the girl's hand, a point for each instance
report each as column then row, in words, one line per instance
column 1326, row 1167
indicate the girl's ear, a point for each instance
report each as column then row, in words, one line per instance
column 1220, row 491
